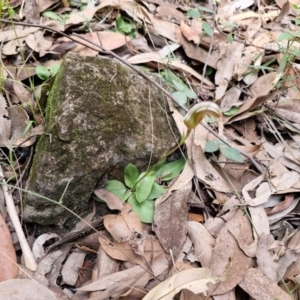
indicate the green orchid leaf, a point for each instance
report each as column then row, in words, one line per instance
column 118, row 189
column 156, row 191
column 123, row 26
column 52, row 15
column 131, row 175
column 211, row 146
column 231, row 153
column 193, row 13
column 232, row 111
column 144, row 187
column 190, row 94
column 207, row 29
column 180, row 85
column 170, row 77
column 180, row 97
column 53, row 69
column 42, row 72
column 158, row 168
column 172, row 169
column 144, row 210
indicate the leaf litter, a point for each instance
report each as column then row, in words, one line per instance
column 240, row 55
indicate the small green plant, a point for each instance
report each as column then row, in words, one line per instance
column 45, row 73
column 183, row 91
column 229, row 152
column 140, row 190
column 54, row 16
column 125, row 27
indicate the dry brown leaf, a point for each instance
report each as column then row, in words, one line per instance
column 82, row 16
column 230, row 99
column 263, row 85
column 203, row 242
column 227, row 258
column 259, row 286
column 170, row 220
column 7, row 35
column 194, row 280
column 21, row 92
column 263, row 193
column 8, row 260
column 19, row 121
column 168, row 11
column 190, row 33
column 112, row 201
column 107, row 39
column 123, row 250
column 71, row 267
column 125, row 226
column 225, row 67
column 25, row 289
column 38, row 43
column 44, row 4
column 267, row 260
column 283, row 205
column 114, row 285
column 206, row 173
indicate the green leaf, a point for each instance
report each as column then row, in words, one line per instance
column 232, row 111
column 131, row 175
column 179, row 85
column 180, row 97
column 211, row 146
column 123, row 26
column 285, row 36
column 207, row 29
column 231, row 153
column 193, row 13
column 118, row 189
column 42, row 72
column 157, row 190
column 169, row 76
column 144, row 187
column 52, row 15
column 190, row 94
column 144, row 210
column 208, row 71
column 172, row 169
column 158, row 168
column 53, row 69
column 230, row 38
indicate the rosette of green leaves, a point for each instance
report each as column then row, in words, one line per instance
column 141, row 189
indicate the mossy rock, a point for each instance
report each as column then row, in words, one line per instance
column 100, row 114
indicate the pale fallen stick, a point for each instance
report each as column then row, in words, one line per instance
column 30, row 262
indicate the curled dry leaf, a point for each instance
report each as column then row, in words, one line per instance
column 38, row 245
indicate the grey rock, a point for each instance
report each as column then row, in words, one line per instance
column 100, row 114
